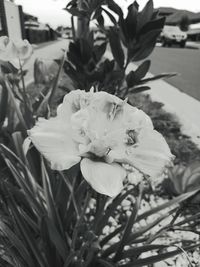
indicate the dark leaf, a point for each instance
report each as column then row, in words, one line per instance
column 160, row 76
column 75, row 12
column 139, row 89
column 116, row 47
column 159, row 257
column 132, row 252
column 111, row 17
column 111, row 235
column 115, row 8
column 3, row 103
column 131, row 21
column 170, row 203
column 100, row 20
column 129, row 225
column 111, row 208
column 17, row 243
column 131, row 79
column 145, row 45
column 105, row 263
column 99, row 51
column 142, row 70
column 145, row 15
column 7, row 67
column 153, row 25
column 27, row 235
column 56, row 239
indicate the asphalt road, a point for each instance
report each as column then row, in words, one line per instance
column 185, row 61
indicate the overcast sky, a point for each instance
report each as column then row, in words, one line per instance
column 50, row 11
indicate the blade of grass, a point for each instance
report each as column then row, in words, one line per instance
column 3, row 103
column 57, row 239
column 111, row 208
column 129, row 225
column 27, row 235
column 159, row 257
column 168, row 204
column 17, row 243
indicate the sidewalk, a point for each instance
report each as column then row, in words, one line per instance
column 50, row 52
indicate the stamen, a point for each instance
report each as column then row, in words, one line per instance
column 131, row 137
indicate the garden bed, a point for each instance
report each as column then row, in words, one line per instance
column 181, row 145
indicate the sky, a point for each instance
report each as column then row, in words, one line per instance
column 50, row 11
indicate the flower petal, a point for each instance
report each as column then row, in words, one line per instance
column 73, row 102
column 23, row 48
column 105, row 178
column 53, row 139
column 112, row 113
column 150, row 154
column 7, row 49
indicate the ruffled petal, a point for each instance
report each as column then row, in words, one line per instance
column 104, row 178
column 73, row 102
column 150, row 154
column 107, row 113
column 7, row 49
column 53, row 139
column 24, row 49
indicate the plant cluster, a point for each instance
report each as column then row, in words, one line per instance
column 54, row 218
column 131, row 38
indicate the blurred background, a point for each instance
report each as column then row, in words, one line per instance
column 177, row 49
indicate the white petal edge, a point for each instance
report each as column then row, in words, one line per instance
column 104, row 178
column 150, row 156
column 54, row 141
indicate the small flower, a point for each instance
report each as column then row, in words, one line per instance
column 14, row 50
column 104, row 134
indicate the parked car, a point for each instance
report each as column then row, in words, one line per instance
column 173, row 35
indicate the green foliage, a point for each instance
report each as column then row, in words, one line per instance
column 130, row 39
column 47, row 225
column 183, row 179
column 46, row 217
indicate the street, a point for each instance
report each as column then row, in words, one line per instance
column 185, row 61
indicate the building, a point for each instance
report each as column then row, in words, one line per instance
column 194, row 32
column 16, row 24
column 11, row 20
column 37, row 32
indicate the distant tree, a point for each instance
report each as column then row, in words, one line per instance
column 184, row 23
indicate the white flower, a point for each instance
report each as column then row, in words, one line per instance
column 105, row 134
column 13, row 50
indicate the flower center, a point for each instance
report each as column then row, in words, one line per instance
column 131, row 137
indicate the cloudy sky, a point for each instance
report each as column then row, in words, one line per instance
column 50, row 11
